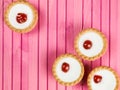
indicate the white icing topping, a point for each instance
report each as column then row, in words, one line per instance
column 108, row 81
column 20, row 8
column 97, row 43
column 73, row 73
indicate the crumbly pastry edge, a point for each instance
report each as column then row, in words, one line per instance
column 31, row 26
column 105, row 68
column 94, row 57
column 57, row 78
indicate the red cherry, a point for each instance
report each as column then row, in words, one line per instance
column 21, row 18
column 65, row 67
column 97, row 78
column 87, row 44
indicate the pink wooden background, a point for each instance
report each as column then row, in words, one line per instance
column 26, row 59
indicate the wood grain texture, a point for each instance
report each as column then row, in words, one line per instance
column 26, row 59
column 43, row 48
column 113, row 32
column 60, row 37
column 105, row 10
column 33, row 55
column 17, row 61
column 7, row 56
column 51, row 42
column 118, row 36
column 1, row 43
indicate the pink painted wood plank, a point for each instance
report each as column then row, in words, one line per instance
column 43, row 45
column 25, row 62
column 33, row 60
column 69, row 28
column 87, row 14
column 78, row 17
column 118, row 37
column 96, row 21
column 7, row 56
column 16, row 61
column 51, row 42
column 87, row 22
column 114, row 30
column 105, row 29
column 33, row 55
column 60, row 29
column 77, row 27
column 1, row 42
column 113, row 33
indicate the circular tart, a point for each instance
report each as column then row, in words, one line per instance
column 90, row 44
column 68, row 70
column 103, row 78
column 21, row 16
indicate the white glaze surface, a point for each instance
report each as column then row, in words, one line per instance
column 73, row 73
column 97, row 43
column 108, row 81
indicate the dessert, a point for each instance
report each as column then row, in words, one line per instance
column 103, row 78
column 68, row 70
column 90, row 44
column 21, row 16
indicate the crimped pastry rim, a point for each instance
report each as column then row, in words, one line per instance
column 96, row 56
column 33, row 23
column 67, row 83
column 99, row 68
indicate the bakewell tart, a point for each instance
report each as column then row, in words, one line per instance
column 103, row 78
column 68, row 70
column 21, row 16
column 90, row 44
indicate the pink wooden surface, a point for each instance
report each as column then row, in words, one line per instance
column 26, row 59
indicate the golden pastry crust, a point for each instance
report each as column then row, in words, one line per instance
column 105, row 68
column 31, row 26
column 57, row 78
column 84, row 56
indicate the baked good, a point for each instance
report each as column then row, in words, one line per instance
column 68, row 70
column 90, row 44
column 103, row 78
column 21, row 16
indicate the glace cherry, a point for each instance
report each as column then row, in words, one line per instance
column 87, row 44
column 21, row 18
column 97, row 78
column 65, row 67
